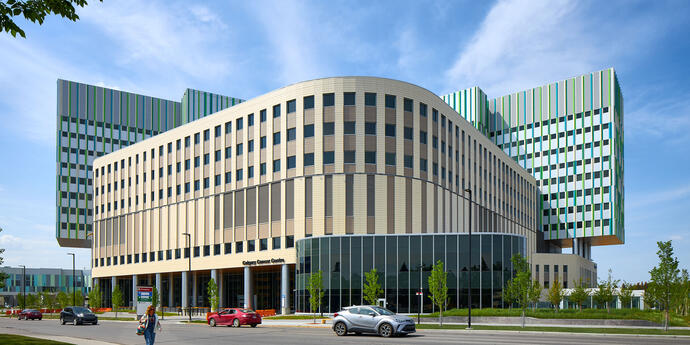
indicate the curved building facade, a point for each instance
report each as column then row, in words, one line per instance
column 336, row 161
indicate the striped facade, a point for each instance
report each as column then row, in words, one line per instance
column 569, row 136
column 93, row 121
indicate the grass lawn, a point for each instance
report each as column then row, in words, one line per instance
column 296, row 317
column 195, row 321
column 564, row 329
column 22, row 340
column 622, row 314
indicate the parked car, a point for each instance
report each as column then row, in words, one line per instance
column 235, row 317
column 78, row 316
column 371, row 319
column 30, row 314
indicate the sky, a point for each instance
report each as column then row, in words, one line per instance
column 247, row 48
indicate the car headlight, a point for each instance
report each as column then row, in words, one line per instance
column 80, row 315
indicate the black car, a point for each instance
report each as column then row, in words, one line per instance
column 77, row 316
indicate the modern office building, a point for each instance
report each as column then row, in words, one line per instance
column 340, row 175
column 37, row 280
column 569, row 136
column 93, row 121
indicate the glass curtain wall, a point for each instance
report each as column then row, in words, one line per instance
column 404, row 263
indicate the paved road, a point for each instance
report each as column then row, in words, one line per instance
column 197, row 334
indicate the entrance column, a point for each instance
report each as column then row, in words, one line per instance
column 113, row 283
column 159, row 302
column 185, row 290
column 247, row 287
column 194, row 289
column 134, row 290
column 214, row 276
column 284, row 287
column 171, row 290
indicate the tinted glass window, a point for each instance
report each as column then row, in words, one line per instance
column 328, row 128
column 308, row 131
column 390, row 101
column 349, row 98
column 328, row 99
column 370, row 99
column 349, row 127
column 309, row 102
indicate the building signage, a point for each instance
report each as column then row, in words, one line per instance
column 144, row 298
column 263, row 262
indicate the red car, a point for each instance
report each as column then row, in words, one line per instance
column 235, row 317
column 32, row 314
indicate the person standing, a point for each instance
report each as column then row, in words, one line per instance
column 151, row 324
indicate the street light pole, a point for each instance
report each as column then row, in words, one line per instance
column 189, row 273
column 74, row 282
column 23, row 286
column 469, row 283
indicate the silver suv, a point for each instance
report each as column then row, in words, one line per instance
column 371, row 319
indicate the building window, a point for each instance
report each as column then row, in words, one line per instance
column 349, row 127
column 262, row 115
column 291, row 162
column 238, row 149
column 262, row 169
column 407, row 133
column 276, row 242
column 276, row 165
column 276, row 138
column 276, row 111
column 308, row 131
column 238, row 175
column 370, row 99
column 263, row 244
column 308, row 159
column 328, row 157
column 228, row 152
column 390, row 158
column 309, row 102
column 250, row 120
column 408, row 161
column 228, row 128
column 407, row 104
column 239, row 124
column 250, row 146
column 328, row 128
column 250, row 246
column 390, row 101
column 422, row 137
column 207, row 136
column 390, row 130
column 370, row 157
column 217, row 157
column 349, row 98
column 216, row 132
column 239, row 247
column 196, row 141
column 228, row 248
column 328, row 99
column 291, row 134
column 422, row 165
column 228, row 177
column 291, row 106
column 349, row 157
column 262, row 142
column 370, row 128
column 289, row 241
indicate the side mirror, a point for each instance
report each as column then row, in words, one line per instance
column 372, row 314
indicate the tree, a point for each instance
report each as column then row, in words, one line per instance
column 579, row 295
column 518, row 287
column 212, row 292
column 372, row 288
column 534, row 294
column 95, row 296
column 556, row 294
column 683, row 293
column 116, row 299
column 663, row 280
column 48, row 301
column 3, row 275
column 79, row 298
column 625, row 294
column 62, row 299
column 315, row 288
column 605, row 292
column 438, row 289
column 35, row 11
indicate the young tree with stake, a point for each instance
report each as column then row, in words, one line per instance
column 556, row 294
column 315, row 288
column 372, row 288
column 438, row 289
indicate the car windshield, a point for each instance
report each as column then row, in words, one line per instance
column 246, row 311
column 383, row 311
column 81, row 310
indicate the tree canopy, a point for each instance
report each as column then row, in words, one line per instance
column 35, row 11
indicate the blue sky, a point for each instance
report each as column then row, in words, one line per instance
column 245, row 49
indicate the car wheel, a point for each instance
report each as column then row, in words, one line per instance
column 340, row 329
column 74, row 321
column 212, row 322
column 358, row 333
column 62, row 321
column 254, row 325
column 385, row 330
column 40, row 318
column 95, row 322
column 236, row 323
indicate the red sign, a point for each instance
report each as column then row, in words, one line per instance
column 419, row 293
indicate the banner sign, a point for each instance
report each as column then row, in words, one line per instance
column 144, row 298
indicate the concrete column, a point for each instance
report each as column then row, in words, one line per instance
column 284, row 290
column 185, row 289
column 134, row 289
column 221, row 291
column 214, row 276
column 247, row 287
column 158, row 287
column 194, row 289
column 171, row 290
column 113, row 283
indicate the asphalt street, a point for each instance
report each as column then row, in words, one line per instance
column 197, row 334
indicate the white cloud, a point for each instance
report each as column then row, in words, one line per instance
column 163, row 36
column 522, row 44
column 674, row 194
column 666, row 119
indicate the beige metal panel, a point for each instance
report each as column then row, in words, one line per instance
column 381, row 204
column 339, row 204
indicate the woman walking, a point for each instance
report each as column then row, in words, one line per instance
column 151, row 325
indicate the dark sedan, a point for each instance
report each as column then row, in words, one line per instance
column 78, row 316
column 30, row 314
